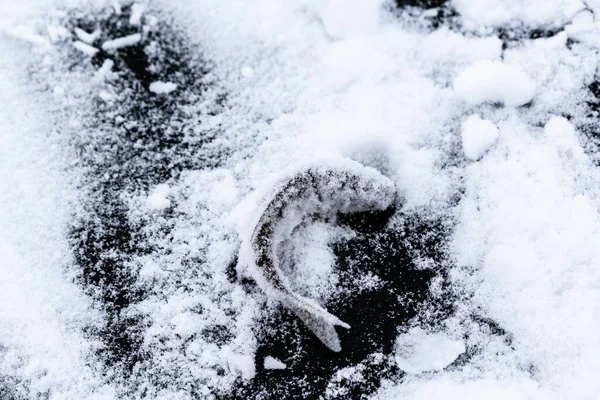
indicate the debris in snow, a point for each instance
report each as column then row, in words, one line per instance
column 137, row 10
column 493, row 81
column 57, row 32
column 158, row 200
column 273, row 363
column 122, row 42
column 419, row 351
column 85, row 48
column 27, row 34
column 477, row 136
column 104, row 70
column 160, row 87
column 88, row 38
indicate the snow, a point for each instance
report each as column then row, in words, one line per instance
column 42, row 311
column 310, row 81
column 530, row 12
column 493, row 81
column 137, row 10
column 418, row 351
column 104, row 71
column 477, row 135
column 86, row 37
column 360, row 17
column 160, row 87
column 85, row 48
column 121, row 42
column 157, row 200
column 273, row 363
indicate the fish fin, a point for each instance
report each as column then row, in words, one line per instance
column 318, row 320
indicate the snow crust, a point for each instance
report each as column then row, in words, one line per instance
column 318, row 79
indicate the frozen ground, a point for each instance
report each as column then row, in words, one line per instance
column 137, row 141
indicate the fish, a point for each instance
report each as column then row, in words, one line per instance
column 324, row 188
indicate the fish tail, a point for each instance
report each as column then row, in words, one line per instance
column 318, row 320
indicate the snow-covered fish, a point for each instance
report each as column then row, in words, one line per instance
column 326, row 188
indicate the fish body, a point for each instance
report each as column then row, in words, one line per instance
column 326, row 188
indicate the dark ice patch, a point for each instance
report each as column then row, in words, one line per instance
column 388, row 249
column 127, row 146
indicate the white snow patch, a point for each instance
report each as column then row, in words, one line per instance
column 157, row 200
column 85, row 48
column 160, row 87
column 360, row 17
column 26, row 33
column 531, row 12
column 274, row 363
column 492, row 81
column 121, row 42
column 137, row 11
column 478, row 135
column 104, row 71
column 419, row 351
column 86, row 37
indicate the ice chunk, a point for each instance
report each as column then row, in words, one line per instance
column 273, row 363
column 492, row 81
column 88, row 38
column 419, row 351
column 104, row 70
column 160, row 87
column 85, row 48
column 137, row 10
column 477, row 136
column 121, row 42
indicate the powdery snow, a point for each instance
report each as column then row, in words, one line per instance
column 492, row 81
column 381, row 90
column 477, row 136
